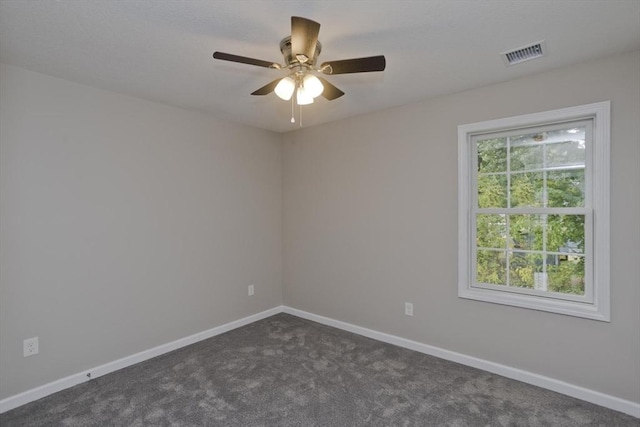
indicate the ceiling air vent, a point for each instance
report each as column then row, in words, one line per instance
column 525, row 53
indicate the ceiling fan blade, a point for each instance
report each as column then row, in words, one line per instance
column 243, row 60
column 356, row 65
column 267, row 89
column 304, row 36
column 330, row 92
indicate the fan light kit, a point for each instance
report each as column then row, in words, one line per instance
column 300, row 52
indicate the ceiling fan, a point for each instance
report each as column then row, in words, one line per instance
column 300, row 52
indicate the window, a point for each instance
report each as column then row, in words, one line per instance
column 533, row 196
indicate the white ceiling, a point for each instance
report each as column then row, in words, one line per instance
column 161, row 50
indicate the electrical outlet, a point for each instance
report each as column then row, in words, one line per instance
column 408, row 309
column 30, row 346
column 251, row 290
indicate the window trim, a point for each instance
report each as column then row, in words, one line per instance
column 599, row 309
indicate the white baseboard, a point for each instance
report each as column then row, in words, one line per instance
column 64, row 383
column 608, row 401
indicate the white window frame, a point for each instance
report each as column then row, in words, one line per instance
column 596, row 305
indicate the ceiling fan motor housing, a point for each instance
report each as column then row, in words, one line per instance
column 290, row 59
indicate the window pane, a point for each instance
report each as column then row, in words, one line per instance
column 566, row 274
column 526, row 157
column 492, row 191
column 527, row 189
column 565, row 233
column 491, row 231
column 492, row 155
column 525, row 269
column 526, row 232
column 491, row 267
column 565, row 189
column 566, row 147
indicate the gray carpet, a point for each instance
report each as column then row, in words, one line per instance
column 286, row 371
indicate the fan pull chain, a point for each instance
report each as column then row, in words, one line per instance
column 293, row 120
column 300, row 116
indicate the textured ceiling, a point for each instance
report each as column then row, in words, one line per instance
column 161, row 50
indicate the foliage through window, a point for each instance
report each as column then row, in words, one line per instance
column 529, row 189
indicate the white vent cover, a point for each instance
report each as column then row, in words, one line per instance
column 525, row 53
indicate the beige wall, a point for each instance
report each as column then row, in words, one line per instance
column 125, row 225
column 370, row 221
column 128, row 224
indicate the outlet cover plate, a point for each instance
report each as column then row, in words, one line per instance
column 408, row 309
column 30, row 347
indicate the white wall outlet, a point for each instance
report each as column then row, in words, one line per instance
column 408, row 309
column 30, row 346
column 252, row 290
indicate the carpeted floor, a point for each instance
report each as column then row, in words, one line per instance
column 286, row 371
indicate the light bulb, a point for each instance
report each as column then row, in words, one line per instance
column 302, row 97
column 312, row 86
column 285, row 87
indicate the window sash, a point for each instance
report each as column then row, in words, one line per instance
column 587, row 297
column 588, row 167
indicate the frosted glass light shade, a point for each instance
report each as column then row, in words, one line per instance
column 302, row 97
column 285, row 87
column 312, row 85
